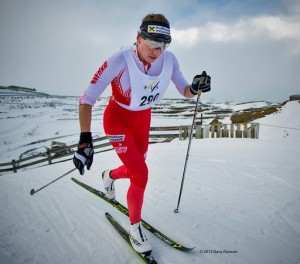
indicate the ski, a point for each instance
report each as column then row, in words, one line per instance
column 124, row 210
column 145, row 258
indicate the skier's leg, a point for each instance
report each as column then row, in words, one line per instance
column 129, row 135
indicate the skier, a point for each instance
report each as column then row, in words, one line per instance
column 139, row 76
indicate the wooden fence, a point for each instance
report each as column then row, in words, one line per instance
column 157, row 134
column 223, row 131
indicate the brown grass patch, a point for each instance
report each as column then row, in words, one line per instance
column 249, row 115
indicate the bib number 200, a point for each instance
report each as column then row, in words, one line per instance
column 148, row 99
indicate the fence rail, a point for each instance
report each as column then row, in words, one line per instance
column 157, row 134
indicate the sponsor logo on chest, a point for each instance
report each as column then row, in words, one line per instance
column 152, row 86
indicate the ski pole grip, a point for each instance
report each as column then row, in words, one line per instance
column 201, row 81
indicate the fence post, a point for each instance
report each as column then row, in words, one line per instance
column 14, row 165
column 249, row 131
column 232, row 130
column 245, row 132
column 257, row 130
column 252, row 131
column 206, row 131
column 185, row 132
column 180, row 133
column 238, row 133
column 225, row 131
column 212, row 130
column 218, row 130
column 198, row 133
column 189, row 131
column 49, row 156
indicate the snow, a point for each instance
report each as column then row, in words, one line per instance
column 240, row 201
column 283, row 125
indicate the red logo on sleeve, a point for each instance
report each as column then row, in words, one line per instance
column 98, row 73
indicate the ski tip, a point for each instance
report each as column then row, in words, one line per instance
column 108, row 216
column 186, row 249
column 190, row 249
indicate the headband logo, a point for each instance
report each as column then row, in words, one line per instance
column 151, row 29
column 158, row 30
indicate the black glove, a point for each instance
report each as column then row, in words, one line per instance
column 85, row 152
column 204, row 86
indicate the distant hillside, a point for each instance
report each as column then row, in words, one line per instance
column 12, row 89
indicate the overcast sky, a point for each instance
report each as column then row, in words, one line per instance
column 251, row 48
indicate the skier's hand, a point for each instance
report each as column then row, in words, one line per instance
column 85, row 153
column 201, row 82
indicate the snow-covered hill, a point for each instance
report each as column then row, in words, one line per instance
column 240, row 202
column 30, row 121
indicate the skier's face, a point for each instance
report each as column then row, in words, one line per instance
column 147, row 52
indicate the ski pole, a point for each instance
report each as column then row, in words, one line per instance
column 188, row 149
column 32, row 192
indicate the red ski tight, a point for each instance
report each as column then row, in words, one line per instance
column 128, row 132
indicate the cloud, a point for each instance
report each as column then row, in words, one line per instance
column 188, row 36
column 278, row 27
column 275, row 28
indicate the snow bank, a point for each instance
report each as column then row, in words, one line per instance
column 240, row 204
